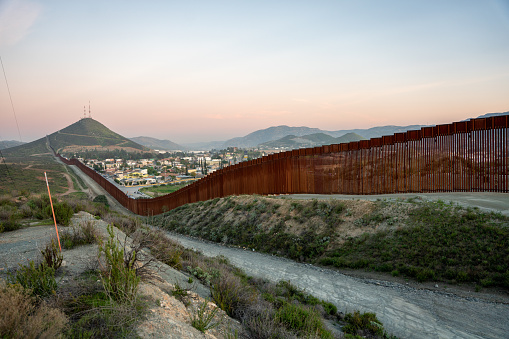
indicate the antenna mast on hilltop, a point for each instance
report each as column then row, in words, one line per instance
column 89, row 113
column 84, row 112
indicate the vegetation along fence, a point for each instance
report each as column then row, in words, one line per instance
column 467, row 156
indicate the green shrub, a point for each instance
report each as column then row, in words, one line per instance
column 329, row 308
column 203, row 317
column 306, row 322
column 425, row 275
column 119, row 278
column 362, row 323
column 9, row 225
column 52, row 256
column 231, row 295
column 40, row 279
column 63, row 212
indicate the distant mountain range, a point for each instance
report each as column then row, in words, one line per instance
column 310, row 140
column 83, row 134
column 153, row 143
column 487, row 115
column 9, row 143
column 276, row 133
column 263, row 136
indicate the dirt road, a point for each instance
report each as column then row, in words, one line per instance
column 405, row 311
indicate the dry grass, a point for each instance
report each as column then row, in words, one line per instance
column 82, row 234
column 23, row 317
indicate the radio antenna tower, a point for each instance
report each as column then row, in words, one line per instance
column 89, row 113
column 84, row 112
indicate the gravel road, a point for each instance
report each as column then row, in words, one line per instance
column 405, row 311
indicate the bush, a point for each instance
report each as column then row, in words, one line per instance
column 40, row 279
column 231, row 295
column 52, row 256
column 63, row 212
column 9, row 216
column 22, row 317
column 9, row 225
column 119, row 278
column 363, row 324
column 306, row 322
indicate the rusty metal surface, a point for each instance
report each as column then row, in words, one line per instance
column 467, row 156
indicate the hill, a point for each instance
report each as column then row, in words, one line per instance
column 153, row 143
column 84, row 134
column 311, row 140
column 9, row 143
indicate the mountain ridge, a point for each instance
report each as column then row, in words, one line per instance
column 272, row 133
column 4, row 144
column 83, row 134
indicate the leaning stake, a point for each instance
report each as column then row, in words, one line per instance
column 53, row 211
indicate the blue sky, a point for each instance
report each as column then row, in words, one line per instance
column 211, row 70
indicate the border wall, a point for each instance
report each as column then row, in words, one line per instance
column 467, row 156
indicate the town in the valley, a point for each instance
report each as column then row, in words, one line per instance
column 164, row 167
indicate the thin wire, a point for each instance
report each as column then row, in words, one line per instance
column 10, row 97
column 8, row 172
column 16, row 119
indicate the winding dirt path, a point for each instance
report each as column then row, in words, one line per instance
column 70, row 185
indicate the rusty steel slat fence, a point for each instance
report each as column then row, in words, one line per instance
column 467, row 156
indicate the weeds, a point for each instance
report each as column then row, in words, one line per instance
column 94, row 314
column 364, row 324
column 180, row 293
column 119, row 277
column 231, row 295
column 82, row 234
column 306, row 322
column 203, row 317
column 51, row 255
column 24, row 317
column 40, row 279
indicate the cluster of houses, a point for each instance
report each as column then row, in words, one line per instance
column 158, row 171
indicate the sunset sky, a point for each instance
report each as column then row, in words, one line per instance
column 212, row 70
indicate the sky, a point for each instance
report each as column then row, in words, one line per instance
column 192, row 71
